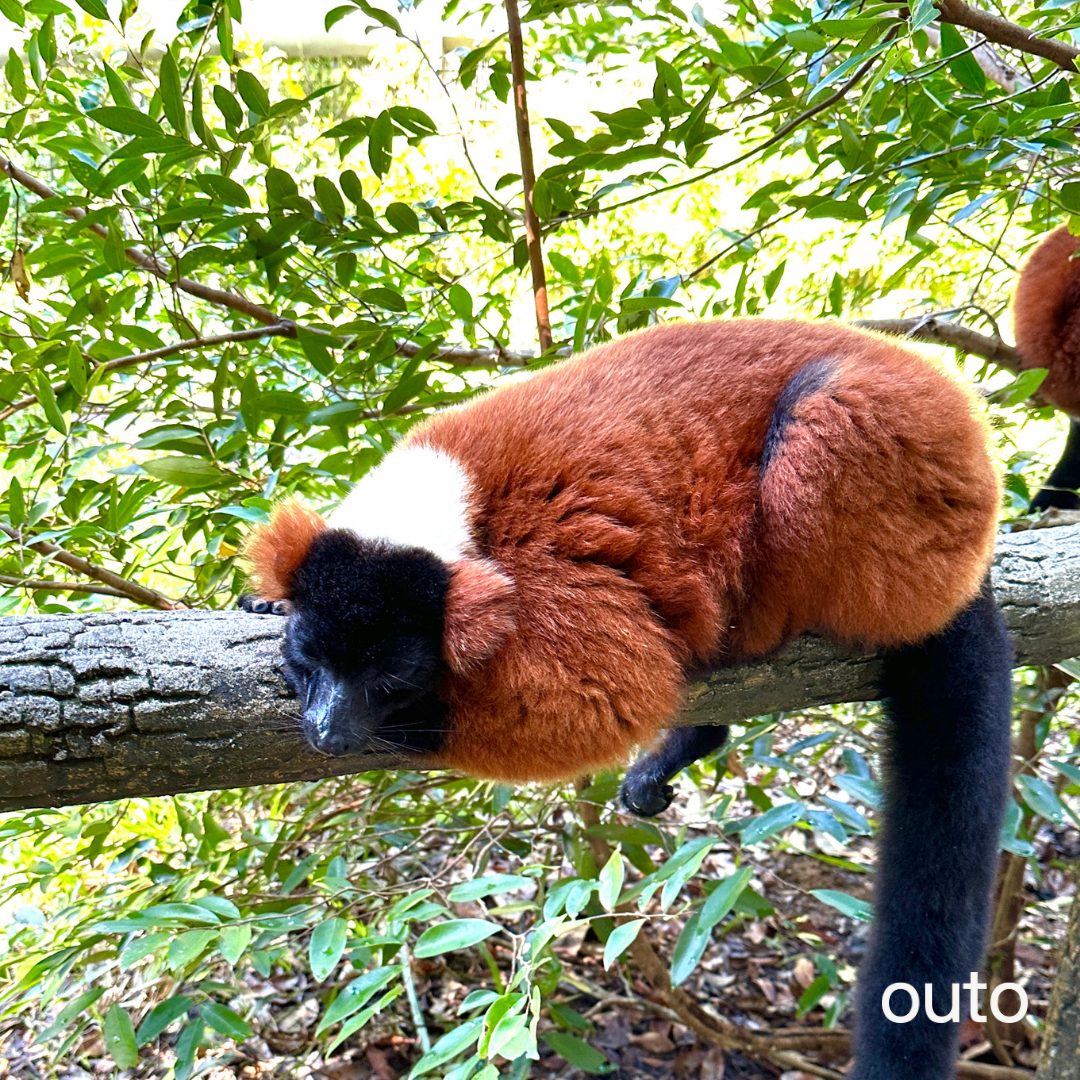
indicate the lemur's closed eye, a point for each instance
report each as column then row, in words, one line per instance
column 521, row 589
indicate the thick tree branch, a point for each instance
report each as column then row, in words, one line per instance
column 528, row 176
column 935, row 330
column 117, row 704
column 133, row 591
column 1002, row 32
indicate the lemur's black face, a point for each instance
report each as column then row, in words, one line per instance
column 363, row 645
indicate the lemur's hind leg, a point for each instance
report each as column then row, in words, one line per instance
column 645, row 790
column 258, row 606
column 1061, row 485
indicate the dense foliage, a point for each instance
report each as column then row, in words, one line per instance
column 842, row 159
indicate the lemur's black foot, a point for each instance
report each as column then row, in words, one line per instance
column 258, row 606
column 645, row 796
column 645, row 789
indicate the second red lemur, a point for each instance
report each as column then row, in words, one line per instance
column 522, row 588
column 1046, row 322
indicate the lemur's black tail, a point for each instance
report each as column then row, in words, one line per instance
column 949, row 701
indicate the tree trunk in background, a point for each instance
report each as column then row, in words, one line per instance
column 116, row 704
column 1060, row 1056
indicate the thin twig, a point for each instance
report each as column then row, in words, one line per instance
column 285, row 328
column 34, row 585
column 145, row 261
column 1003, row 32
column 779, row 135
column 414, row 1001
column 139, row 593
column 528, row 176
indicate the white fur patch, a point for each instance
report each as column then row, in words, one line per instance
column 416, row 497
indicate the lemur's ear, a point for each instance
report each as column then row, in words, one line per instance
column 479, row 614
column 274, row 551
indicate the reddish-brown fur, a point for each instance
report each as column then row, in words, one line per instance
column 620, row 493
column 1046, row 317
column 275, row 550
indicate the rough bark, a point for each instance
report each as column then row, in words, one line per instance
column 1060, row 1056
column 111, row 705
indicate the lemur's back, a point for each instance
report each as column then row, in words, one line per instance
column 644, row 455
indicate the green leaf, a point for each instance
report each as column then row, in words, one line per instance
column 361, row 1018
column 120, row 1038
column 224, row 1021
column 12, row 10
column 383, row 17
column 812, row 995
column 845, row 904
column 326, row 946
column 16, row 502
column 806, row 41
column 189, row 472
column 454, row 1042
column 1041, row 798
column 1023, row 386
column 16, row 77
column 696, row 933
column 620, row 939
column 722, row 899
column 329, row 200
column 138, row 948
column 225, row 189
column 455, row 934
column 95, row 8
column 773, row 821
column 253, row 93
column 384, row 298
column 490, row 885
column 47, row 399
column 381, row 144
column 233, row 941
column 356, row 995
column 68, row 1013
column 867, row 791
column 187, row 946
column 125, row 121
column 228, row 106
column 964, row 67
column 403, row 218
column 577, row 1052
column 161, row 1016
column 172, row 93
column 611, row 880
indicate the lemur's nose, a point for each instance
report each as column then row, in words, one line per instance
column 338, row 743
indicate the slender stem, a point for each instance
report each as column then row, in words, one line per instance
column 528, row 176
column 35, row 585
column 139, row 593
column 414, row 1001
column 285, row 328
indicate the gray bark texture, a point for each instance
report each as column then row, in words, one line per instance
column 118, row 704
column 1060, row 1056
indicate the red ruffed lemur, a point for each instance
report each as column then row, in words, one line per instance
column 1046, row 322
column 524, row 585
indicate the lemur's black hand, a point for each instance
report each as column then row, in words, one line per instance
column 258, row 606
column 645, row 795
